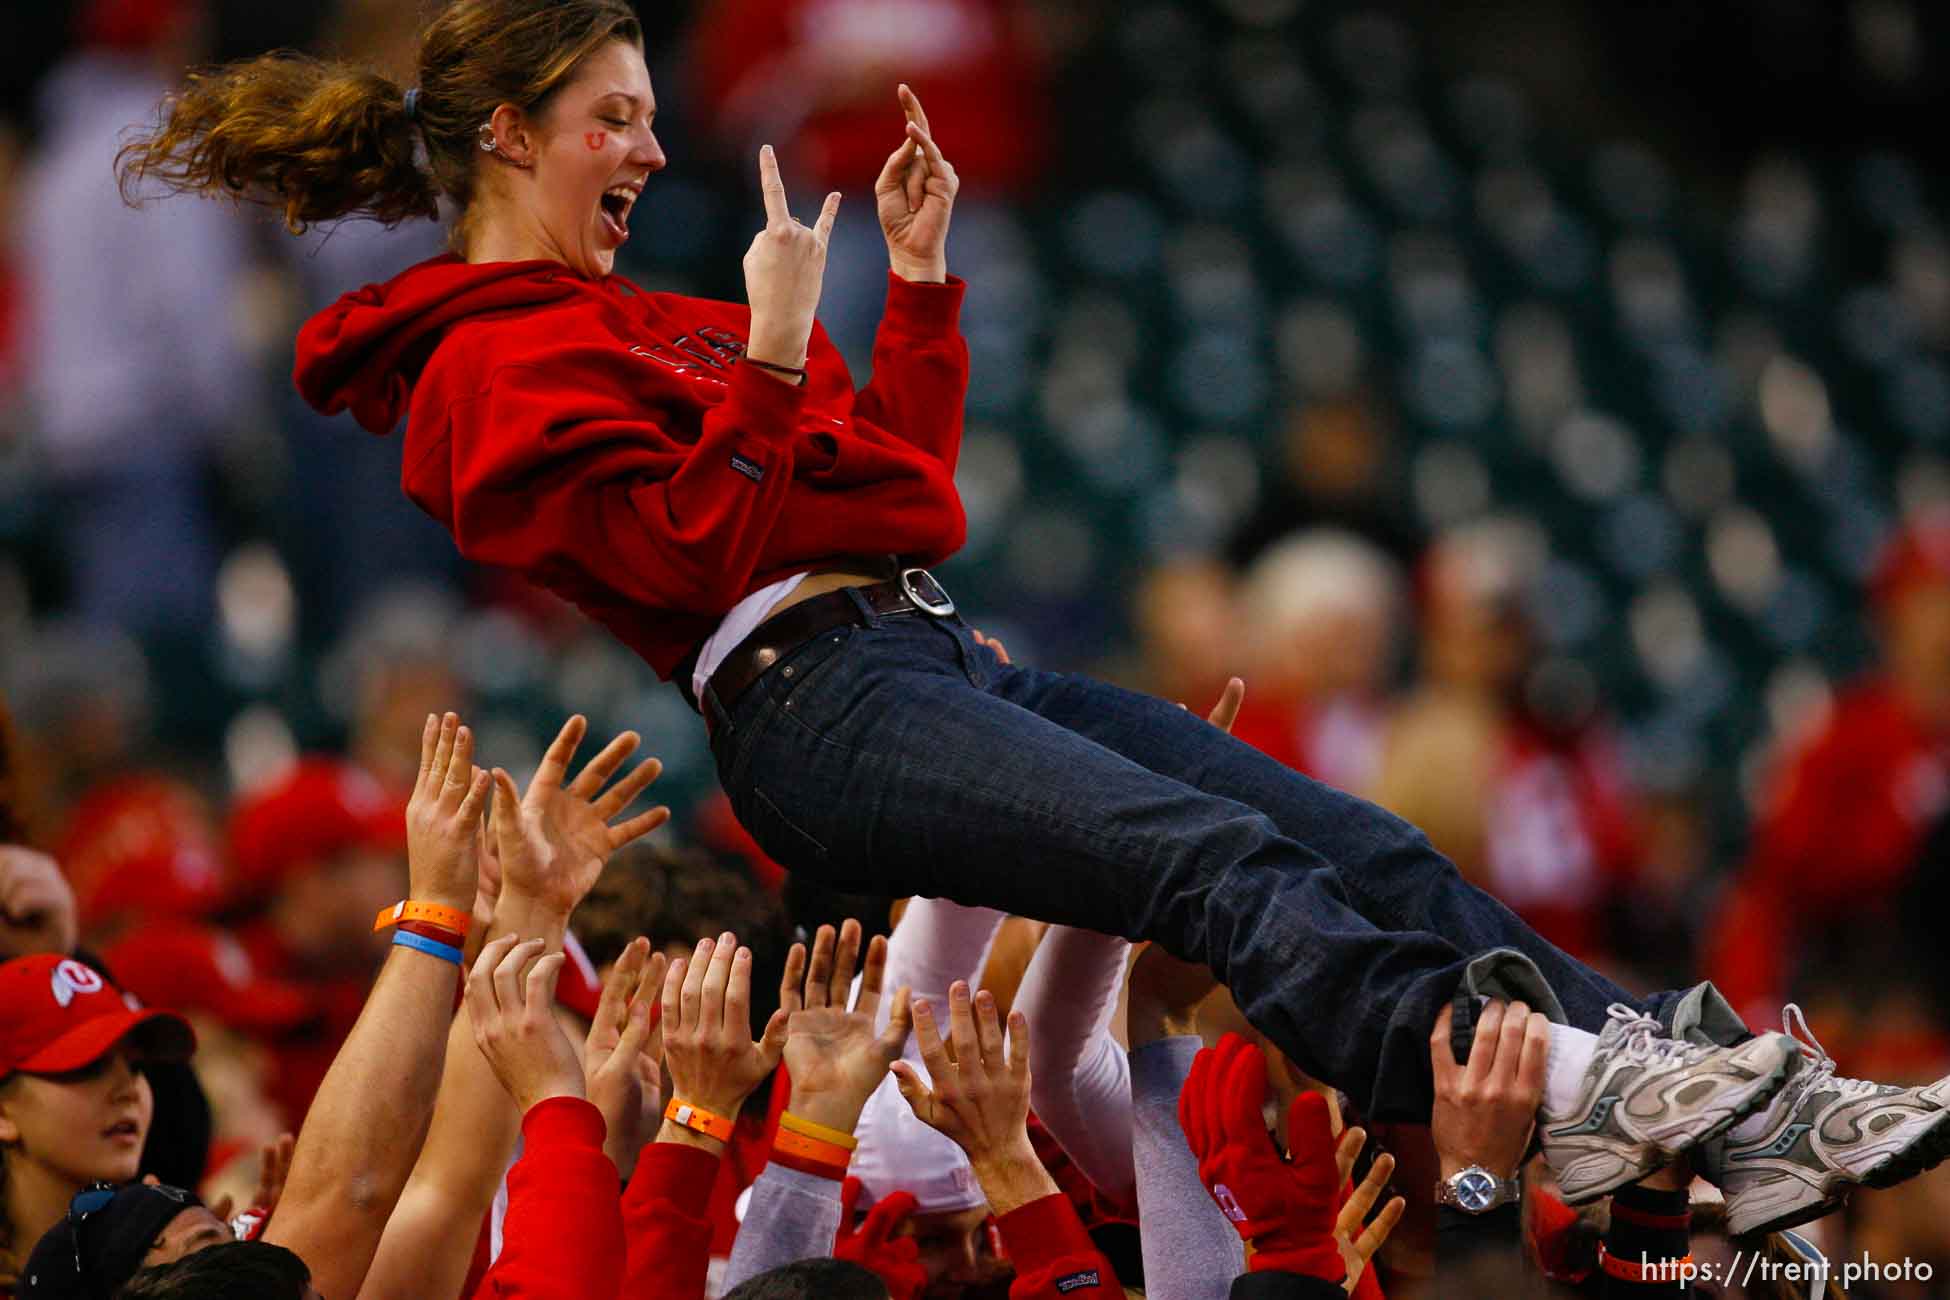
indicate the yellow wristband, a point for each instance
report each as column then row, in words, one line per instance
column 807, row 1128
column 447, row 918
column 698, row 1120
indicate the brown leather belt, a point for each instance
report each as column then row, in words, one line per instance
column 914, row 592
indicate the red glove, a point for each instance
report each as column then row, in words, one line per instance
column 1286, row 1209
column 894, row 1260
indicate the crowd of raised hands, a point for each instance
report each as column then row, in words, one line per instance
column 597, row 1157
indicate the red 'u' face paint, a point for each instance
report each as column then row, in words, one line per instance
column 596, row 140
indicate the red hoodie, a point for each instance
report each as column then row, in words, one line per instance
column 564, row 1234
column 603, row 441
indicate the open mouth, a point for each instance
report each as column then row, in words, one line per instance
column 615, row 206
column 127, row 1128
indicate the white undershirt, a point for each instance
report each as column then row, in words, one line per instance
column 737, row 624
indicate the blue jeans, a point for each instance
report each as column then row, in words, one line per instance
column 901, row 757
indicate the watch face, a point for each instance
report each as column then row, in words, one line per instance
column 1475, row 1190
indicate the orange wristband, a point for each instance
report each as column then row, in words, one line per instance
column 698, row 1120
column 447, row 918
column 810, row 1155
column 832, row 1137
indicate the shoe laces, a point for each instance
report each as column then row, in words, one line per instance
column 1820, row 1071
column 1646, row 1039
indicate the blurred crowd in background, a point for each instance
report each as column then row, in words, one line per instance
column 1546, row 416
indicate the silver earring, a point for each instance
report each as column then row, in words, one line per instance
column 487, row 137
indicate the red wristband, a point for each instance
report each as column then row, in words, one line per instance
column 438, row 933
column 800, row 1164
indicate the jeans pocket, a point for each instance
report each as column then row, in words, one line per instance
column 780, row 837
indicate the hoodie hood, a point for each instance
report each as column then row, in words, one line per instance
column 364, row 352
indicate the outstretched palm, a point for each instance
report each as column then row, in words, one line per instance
column 553, row 840
column 834, row 1053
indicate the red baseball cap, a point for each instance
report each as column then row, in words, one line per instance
column 59, row 1014
column 1919, row 555
column 322, row 808
column 201, row 968
column 146, row 845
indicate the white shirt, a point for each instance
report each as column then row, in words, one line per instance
column 737, row 624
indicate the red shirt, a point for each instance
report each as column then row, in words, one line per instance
column 564, row 1233
column 602, row 441
column 1053, row 1255
column 1836, row 835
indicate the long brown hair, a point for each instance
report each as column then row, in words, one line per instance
column 321, row 140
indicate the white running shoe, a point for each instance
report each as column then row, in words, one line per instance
column 1646, row 1098
column 1825, row 1135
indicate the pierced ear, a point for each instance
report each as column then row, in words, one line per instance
column 512, row 141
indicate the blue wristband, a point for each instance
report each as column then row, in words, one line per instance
column 432, row 947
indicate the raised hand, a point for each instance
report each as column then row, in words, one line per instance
column 273, row 1167
column 708, row 1047
column 1164, row 995
column 785, row 269
column 487, row 888
column 1226, row 711
column 444, row 815
column 621, row 1057
column 1357, row 1237
column 980, row 1093
column 835, row 1056
column 510, row 1002
column 1484, row 1111
column 915, row 197
column 553, row 840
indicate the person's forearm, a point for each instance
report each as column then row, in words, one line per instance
column 666, row 1220
column 363, row 1133
column 468, row 1145
column 1012, row 1177
column 563, row 1237
column 792, row 1216
column 1054, row 1257
column 1081, row 1086
column 1190, row 1249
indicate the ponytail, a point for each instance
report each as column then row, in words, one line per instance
column 317, row 140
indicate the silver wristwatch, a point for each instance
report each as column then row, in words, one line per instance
column 1476, row 1190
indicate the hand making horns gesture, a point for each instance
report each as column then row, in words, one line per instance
column 784, row 271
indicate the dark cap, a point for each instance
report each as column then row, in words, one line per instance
column 101, row 1242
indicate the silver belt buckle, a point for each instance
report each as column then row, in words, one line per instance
column 923, row 590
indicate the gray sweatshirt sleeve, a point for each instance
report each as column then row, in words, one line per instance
column 1190, row 1250
column 791, row 1216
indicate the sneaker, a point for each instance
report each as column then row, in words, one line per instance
column 1824, row 1136
column 1647, row 1098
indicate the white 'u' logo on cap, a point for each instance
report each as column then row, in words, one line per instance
column 70, row 978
